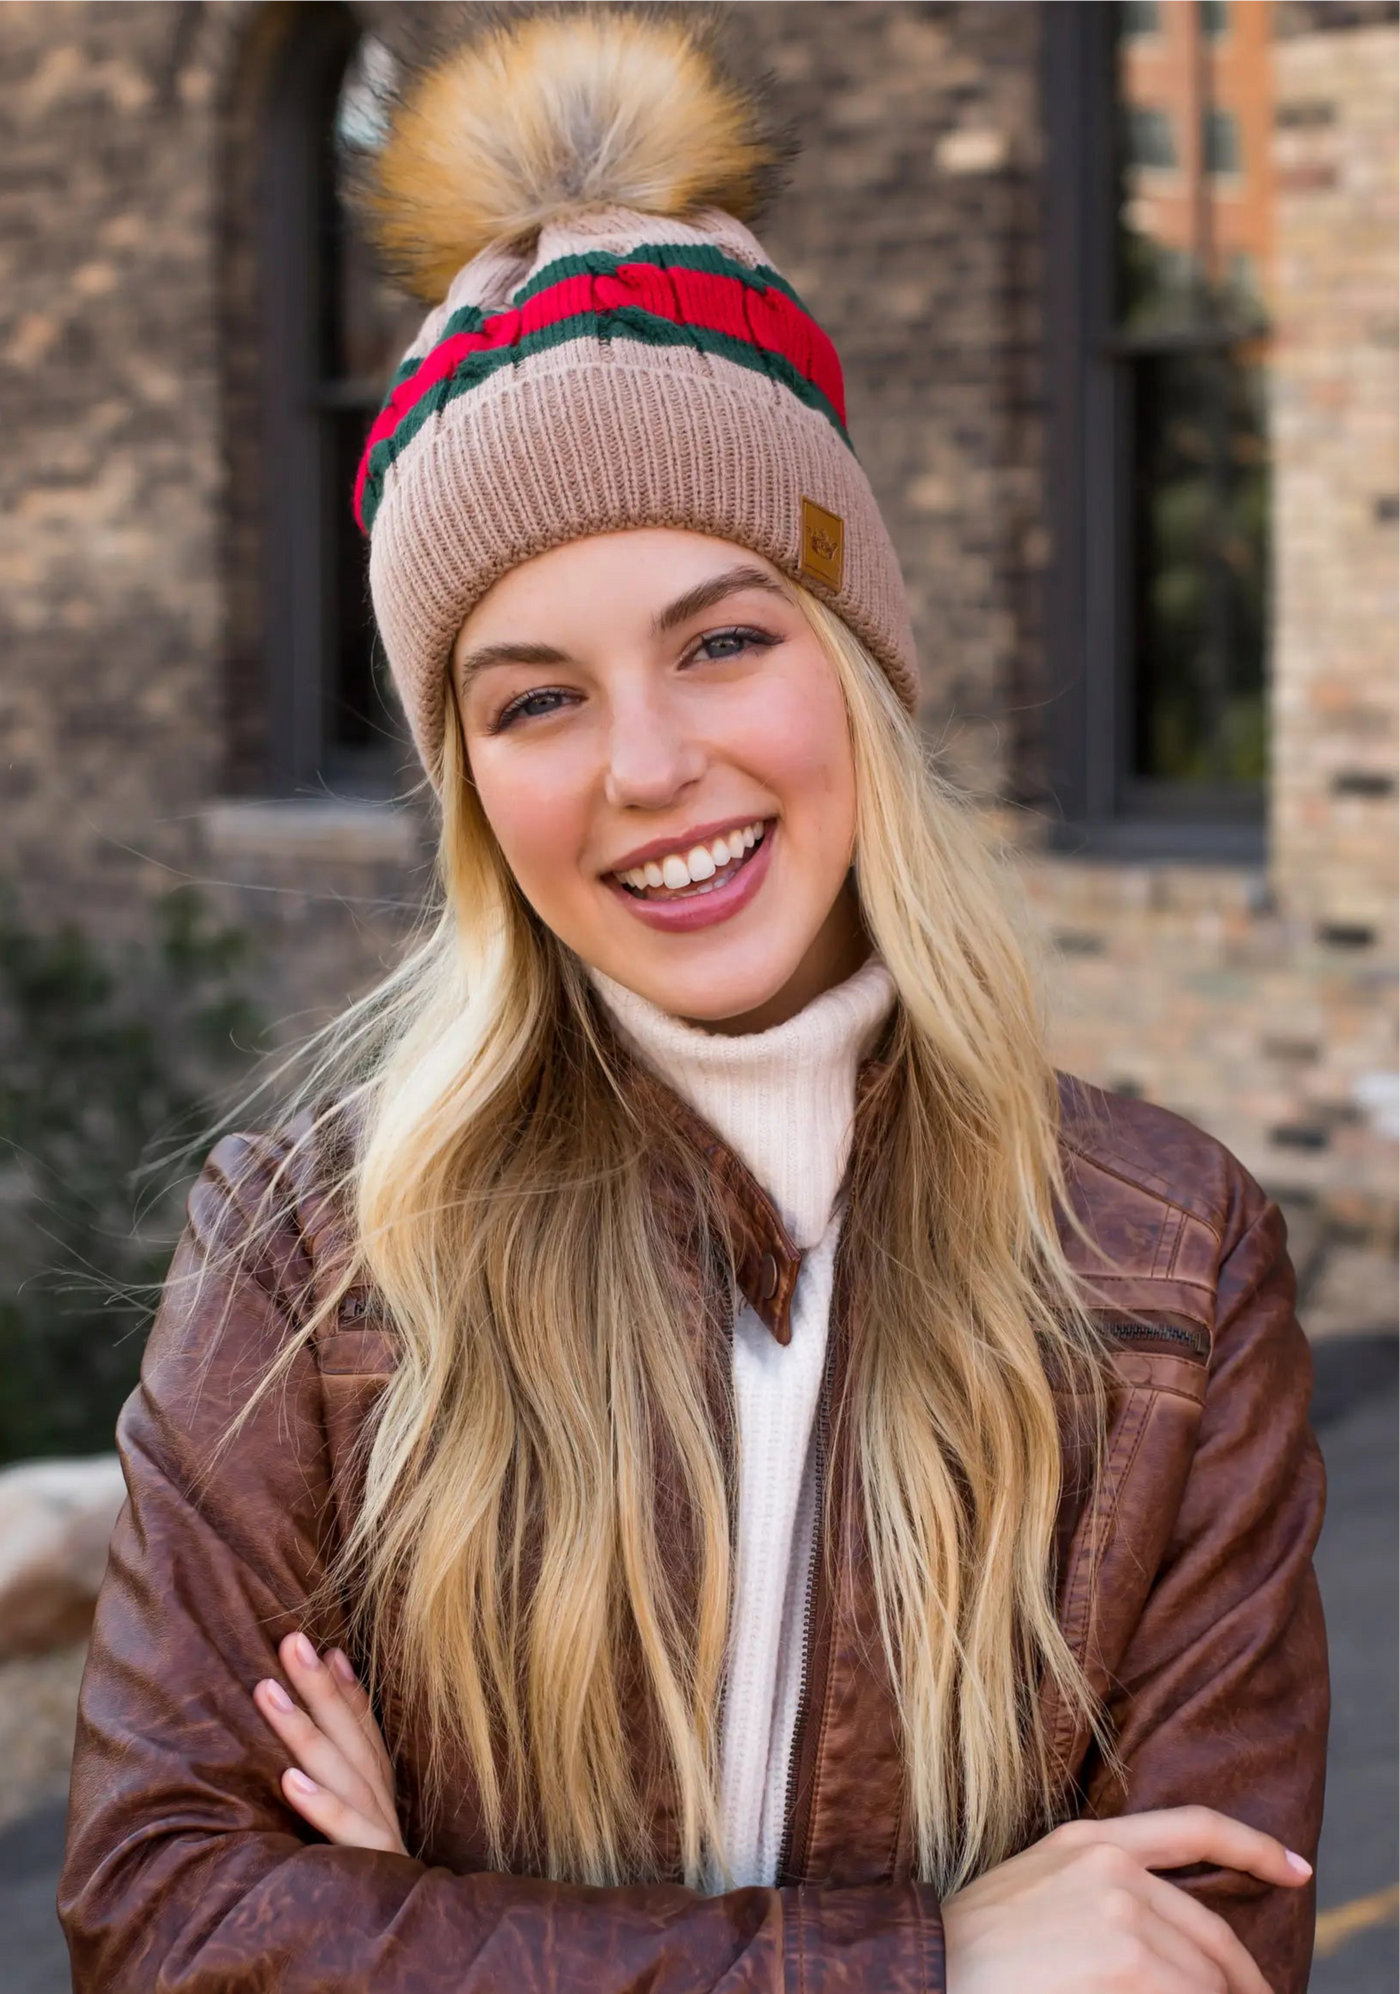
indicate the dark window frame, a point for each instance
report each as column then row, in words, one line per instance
column 1098, row 807
column 306, row 503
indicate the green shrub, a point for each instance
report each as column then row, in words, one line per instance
column 111, row 1065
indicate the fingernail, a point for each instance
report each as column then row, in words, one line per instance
column 340, row 1662
column 297, row 1778
column 276, row 1696
column 1299, row 1863
column 304, row 1651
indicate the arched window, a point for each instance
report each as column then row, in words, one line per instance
column 333, row 332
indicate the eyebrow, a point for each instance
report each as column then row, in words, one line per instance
column 702, row 597
column 707, row 594
column 508, row 652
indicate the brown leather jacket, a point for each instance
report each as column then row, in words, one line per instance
column 1186, row 1587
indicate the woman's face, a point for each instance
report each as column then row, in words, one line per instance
column 660, row 745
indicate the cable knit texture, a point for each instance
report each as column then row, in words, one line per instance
column 596, row 433
column 783, row 1100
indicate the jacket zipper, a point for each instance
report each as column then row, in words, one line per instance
column 731, row 1324
column 804, row 1684
column 1195, row 1340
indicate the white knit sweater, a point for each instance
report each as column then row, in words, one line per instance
column 783, row 1101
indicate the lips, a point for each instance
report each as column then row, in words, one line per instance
column 703, row 903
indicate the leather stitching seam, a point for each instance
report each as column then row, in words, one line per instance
column 1127, row 1280
column 1149, row 1190
column 1168, row 1245
column 1093, row 1531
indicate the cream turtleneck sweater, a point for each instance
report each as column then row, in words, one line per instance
column 783, row 1100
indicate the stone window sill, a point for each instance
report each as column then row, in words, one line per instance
column 311, row 828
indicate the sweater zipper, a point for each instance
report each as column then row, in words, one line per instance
column 731, row 1324
column 804, row 1684
column 1197, row 1341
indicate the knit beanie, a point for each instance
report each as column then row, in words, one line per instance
column 608, row 345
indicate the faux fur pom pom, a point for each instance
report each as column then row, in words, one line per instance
column 547, row 112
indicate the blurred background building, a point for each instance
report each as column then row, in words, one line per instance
column 1115, row 287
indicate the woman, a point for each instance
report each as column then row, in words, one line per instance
column 691, row 1457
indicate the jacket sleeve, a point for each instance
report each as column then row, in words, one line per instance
column 186, row 1872
column 1222, row 1697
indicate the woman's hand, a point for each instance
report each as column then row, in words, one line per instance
column 1080, row 1913
column 343, row 1780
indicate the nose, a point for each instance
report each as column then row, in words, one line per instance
column 652, row 755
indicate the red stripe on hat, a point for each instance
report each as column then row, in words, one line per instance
column 767, row 319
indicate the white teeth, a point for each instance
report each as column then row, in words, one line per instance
column 675, row 872
column 697, row 867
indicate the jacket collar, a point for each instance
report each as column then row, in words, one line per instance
column 766, row 1262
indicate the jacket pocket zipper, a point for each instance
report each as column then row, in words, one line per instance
column 1197, row 1341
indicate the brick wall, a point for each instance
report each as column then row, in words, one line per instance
column 1334, row 433
column 110, row 604
column 130, row 698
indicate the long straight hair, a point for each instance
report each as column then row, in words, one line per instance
column 508, row 1566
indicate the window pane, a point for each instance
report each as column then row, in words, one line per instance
column 368, row 324
column 1148, row 137
column 1199, row 580
column 1156, row 122
column 1192, row 248
column 373, row 321
column 1215, row 18
column 1220, row 139
column 1141, row 17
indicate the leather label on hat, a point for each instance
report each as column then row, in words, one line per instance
column 823, row 544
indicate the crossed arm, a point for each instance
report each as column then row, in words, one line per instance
column 1080, row 1912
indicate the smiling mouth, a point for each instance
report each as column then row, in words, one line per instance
column 690, row 874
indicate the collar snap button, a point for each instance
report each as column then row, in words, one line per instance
column 767, row 1277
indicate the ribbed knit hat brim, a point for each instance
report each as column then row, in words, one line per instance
column 619, row 368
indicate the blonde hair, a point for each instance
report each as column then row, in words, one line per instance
column 510, row 1553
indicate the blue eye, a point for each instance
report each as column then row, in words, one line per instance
column 527, row 706
column 732, row 644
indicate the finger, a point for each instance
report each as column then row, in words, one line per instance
column 332, row 1817
column 1167, row 1975
column 1168, row 1944
column 1175, row 1837
column 357, row 1699
column 323, row 1695
column 1209, row 1932
column 312, row 1750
